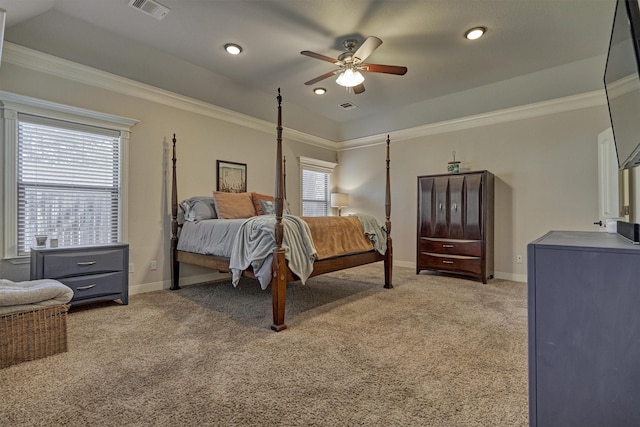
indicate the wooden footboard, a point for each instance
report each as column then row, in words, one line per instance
column 281, row 274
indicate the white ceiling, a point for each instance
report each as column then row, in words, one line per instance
column 448, row 75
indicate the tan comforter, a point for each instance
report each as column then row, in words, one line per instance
column 337, row 235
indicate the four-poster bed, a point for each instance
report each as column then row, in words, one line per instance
column 281, row 269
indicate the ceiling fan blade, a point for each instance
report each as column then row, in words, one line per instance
column 322, row 57
column 358, row 89
column 366, row 49
column 387, row 69
column 322, row 77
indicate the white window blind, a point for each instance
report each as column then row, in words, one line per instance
column 68, row 182
column 315, row 193
column 315, row 178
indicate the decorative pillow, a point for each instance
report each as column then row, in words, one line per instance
column 233, row 205
column 269, row 207
column 199, row 208
column 257, row 199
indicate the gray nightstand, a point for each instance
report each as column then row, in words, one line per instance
column 93, row 272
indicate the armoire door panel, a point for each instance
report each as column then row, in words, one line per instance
column 426, row 198
column 473, row 220
column 441, row 221
column 456, row 207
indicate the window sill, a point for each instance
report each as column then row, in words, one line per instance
column 19, row 260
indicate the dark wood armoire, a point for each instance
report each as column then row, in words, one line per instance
column 455, row 224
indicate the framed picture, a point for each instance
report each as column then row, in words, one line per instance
column 231, row 177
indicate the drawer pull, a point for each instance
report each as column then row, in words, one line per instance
column 86, row 263
column 447, row 262
column 447, row 246
column 84, row 288
column 455, row 207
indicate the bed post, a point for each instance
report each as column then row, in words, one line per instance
column 279, row 272
column 388, row 256
column 175, row 264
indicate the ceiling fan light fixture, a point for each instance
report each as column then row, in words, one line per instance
column 319, row 91
column 475, row 33
column 350, row 78
column 233, row 49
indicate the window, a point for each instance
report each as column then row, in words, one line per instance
column 316, row 186
column 65, row 175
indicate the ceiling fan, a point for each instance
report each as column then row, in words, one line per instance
column 350, row 64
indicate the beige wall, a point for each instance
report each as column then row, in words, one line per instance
column 545, row 169
column 201, row 141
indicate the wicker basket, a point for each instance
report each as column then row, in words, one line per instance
column 31, row 335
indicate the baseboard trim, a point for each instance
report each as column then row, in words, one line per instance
column 407, row 264
column 166, row 284
column 511, row 277
column 497, row 274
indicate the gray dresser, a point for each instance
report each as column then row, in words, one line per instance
column 93, row 272
column 584, row 330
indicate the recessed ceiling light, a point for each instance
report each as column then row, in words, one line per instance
column 232, row 48
column 475, row 33
column 319, row 91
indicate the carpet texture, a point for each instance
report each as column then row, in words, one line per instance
column 433, row 351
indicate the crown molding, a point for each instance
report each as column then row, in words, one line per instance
column 49, row 64
column 538, row 109
column 55, row 66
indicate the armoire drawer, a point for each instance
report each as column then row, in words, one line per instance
column 431, row 261
column 452, row 247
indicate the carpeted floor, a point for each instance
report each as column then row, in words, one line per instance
column 433, row 351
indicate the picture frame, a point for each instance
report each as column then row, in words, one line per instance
column 231, row 177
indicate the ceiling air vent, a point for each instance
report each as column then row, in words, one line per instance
column 151, row 8
column 348, row 106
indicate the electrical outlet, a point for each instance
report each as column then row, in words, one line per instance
column 131, row 268
column 154, row 265
column 519, row 259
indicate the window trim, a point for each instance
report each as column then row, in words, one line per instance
column 13, row 104
column 317, row 165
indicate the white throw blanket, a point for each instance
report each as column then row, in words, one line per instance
column 375, row 233
column 31, row 295
column 255, row 242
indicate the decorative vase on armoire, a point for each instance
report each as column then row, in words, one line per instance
column 455, row 224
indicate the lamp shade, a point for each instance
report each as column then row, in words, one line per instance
column 339, row 200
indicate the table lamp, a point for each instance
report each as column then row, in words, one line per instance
column 339, row 200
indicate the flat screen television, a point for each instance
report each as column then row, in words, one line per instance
column 622, row 82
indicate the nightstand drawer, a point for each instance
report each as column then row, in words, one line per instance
column 58, row 265
column 453, row 247
column 94, row 285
